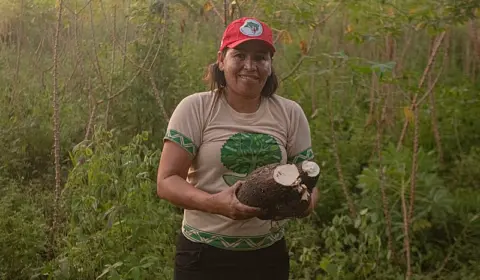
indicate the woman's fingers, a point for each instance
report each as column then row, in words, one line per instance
column 242, row 211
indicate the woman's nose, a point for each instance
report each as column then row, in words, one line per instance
column 249, row 63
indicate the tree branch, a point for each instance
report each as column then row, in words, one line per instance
column 56, row 130
column 338, row 163
column 140, row 68
column 431, row 60
column 310, row 42
column 97, row 62
column 406, row 235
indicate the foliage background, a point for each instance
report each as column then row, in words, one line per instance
column 390, row 89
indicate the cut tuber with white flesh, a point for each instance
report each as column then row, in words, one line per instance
column 282, row 190
column 310, row 172
column 286, row 175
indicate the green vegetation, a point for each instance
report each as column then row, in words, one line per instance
column 390, row 89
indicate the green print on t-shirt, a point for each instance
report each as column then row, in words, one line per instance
column 244, row 152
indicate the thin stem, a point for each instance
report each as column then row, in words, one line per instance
column 406, row 238
column 310, row 42
column 56, row 128
column 338, row 163
column 431, row 60
column 385, row 203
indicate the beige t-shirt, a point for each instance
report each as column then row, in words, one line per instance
column 226, row 146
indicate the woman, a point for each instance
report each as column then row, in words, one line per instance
column 213, row 140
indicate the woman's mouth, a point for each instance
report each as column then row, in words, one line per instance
column 249, row 78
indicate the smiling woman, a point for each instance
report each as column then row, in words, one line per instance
column 244, row 65
column 246, row 68
column 214, row 140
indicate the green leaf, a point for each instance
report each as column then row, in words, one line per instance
column 136, row 273
column 328, row 267
column 474, row 218
column 110, row 268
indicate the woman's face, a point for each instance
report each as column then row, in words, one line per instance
column 246, row 68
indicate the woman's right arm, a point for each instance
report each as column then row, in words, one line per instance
column 171, row 183
column 172, row 186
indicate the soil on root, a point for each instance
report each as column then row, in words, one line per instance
column 282, row 190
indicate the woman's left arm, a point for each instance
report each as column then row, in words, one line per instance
column 299, row 147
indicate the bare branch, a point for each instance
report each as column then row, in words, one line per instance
column 140, row 68
column 148, row 71
column 372, row 99
column 125, row 33
column 338, row 163
column 122, row 90
column 56, row 129
column 413, row 172
column 225, row 12
column 112, row 66
column 158, row 96
column 406, row 234
column 430, row 89
column 75, row 67
column 92, row 111
column 254, row 10
column 379, row 147
column 217, row 12
column 83, row 8
column 431, row 95
column 401, row 58
column 18, row 59
column 97, row 62
column 310, row 42
column 431, row 60
column 294, row 68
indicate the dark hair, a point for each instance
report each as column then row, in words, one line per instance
column 217, row 81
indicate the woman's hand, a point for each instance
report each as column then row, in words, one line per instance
column 226, row 203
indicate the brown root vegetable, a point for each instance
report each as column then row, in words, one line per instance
column 282, row 190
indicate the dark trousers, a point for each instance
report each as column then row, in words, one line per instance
column 197, row 261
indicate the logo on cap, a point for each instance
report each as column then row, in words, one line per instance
column 251, row 27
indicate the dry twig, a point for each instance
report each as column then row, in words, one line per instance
column 406, row 238
column 310, row 42
column 338, row 163
column 431, row 60
column 56, row 129
column 385, row 203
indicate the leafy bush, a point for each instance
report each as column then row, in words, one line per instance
column 116, row 225
column 23, row 229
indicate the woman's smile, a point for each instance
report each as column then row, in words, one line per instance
column 249, row 78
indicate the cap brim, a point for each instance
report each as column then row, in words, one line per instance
column 233, row 45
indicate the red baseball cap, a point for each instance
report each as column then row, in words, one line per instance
column 245, row 29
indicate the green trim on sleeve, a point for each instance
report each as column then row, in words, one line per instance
column 306, row 154
column 181, row 140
